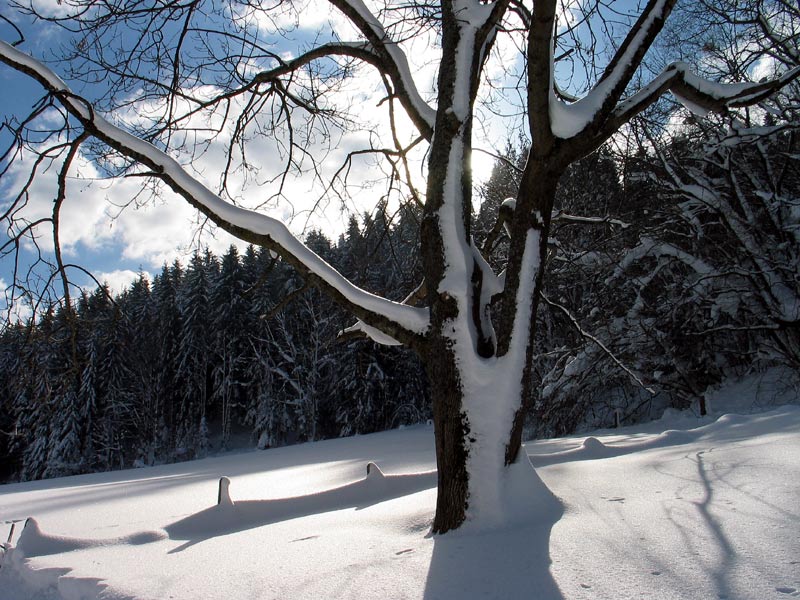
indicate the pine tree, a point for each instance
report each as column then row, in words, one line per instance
column 193, row 351
column 12, row 382
column 118, row 437
column 230, row 340
column 64, row 456
column 169, row 384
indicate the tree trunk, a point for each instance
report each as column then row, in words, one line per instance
column 536, row 195
column 475, row 401
column 452, row 429
column 444, row 237
column 479, row 401
column 477, row 386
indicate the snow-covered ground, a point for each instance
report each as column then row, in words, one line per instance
column 706, row 509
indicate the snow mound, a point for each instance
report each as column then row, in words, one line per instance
column 61, row 582
column 731, row 420
column 676, row 436
column 34, row 542
column 593, row 445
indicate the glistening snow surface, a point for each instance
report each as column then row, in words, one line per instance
column 706, row 509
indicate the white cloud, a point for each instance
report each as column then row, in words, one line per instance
column 53, row 8
column 119, row 280
column 764, row 68
column 303, row 16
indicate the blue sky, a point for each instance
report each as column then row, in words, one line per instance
column 19, row 95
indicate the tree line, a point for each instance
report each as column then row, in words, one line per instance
column 224, row 351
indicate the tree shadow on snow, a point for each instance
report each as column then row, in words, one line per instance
column 512, row 561
column 230, row 516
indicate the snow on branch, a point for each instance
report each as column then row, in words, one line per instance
column 650, row 247
column 711, row 96
column 699, row 95
column 393, row 61
column 569, row 120
column 579, row 220
column 585, row 334
column 602, row 111
column 406, row 324
column 623, row 65
column 361, row 329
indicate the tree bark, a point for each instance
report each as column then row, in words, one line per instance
column 464, row 381
column 445, row 224
column 536, row 198
column 452, row 429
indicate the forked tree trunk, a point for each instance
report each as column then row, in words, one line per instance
column 475, row 402
column 536, row 195
column 479, row 400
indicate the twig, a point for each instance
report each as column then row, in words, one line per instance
column 602, row 346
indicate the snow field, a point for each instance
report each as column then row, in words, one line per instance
column 704, row 512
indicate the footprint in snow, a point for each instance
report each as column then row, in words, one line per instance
column 406, row 551
column 785, row 590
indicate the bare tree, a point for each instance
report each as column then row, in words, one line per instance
column 474, row 328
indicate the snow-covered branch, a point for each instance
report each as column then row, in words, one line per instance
column 736, row 209
column 650, row 247
column 393, row 62
column 590, row 112
column 585, row 334
column 404, row 323
column 624, row 64
column 579, row 220
column 699, row 95
column 602, row 110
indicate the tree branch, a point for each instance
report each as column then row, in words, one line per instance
column 600, row 344
column 693, row 90
column 391, row 60
column 403, row 323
